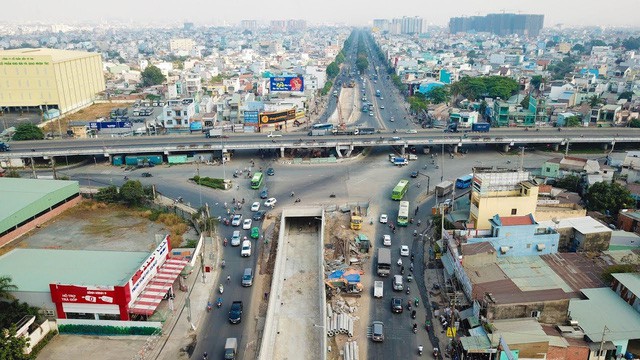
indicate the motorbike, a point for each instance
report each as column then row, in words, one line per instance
column 297, row 200
column 208, row 306
column 427, row 325
column 416, row 301
column 402, row 270
column 413, row 314
column 408, row 291
column 332, row 195
column 415, row 328
column 219, row 303
column 399, row 262
column 225, row 241
column 420, row 349
column 394, row 230
column 220, row 289
column 223, row 264
column 126, row 178
column 436, row 351
column 409, row 278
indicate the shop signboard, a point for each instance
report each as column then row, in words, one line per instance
column 286, row 83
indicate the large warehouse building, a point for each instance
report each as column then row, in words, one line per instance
column 27, row 203
column 49, row 78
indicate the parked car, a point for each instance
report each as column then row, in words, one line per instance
column 246, row 224
column 259, row 215
column 377, row 331
column 271, row 202
column 235, row 313
column 246, row 249
column 383, row 219
column 255, row 206
column 237, row 219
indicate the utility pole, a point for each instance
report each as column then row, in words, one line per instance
column 602, row 341
column 566, row 148
column 33, row 168
column 442, row 166
column 53, row 165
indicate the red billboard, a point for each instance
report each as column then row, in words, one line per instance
column 103, row 295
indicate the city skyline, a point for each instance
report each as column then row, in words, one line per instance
column 356, row 13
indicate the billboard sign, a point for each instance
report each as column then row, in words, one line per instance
column 286, row 83
column 276, row 117
column 110, row 125
column 251, row 117
column 148, row 268
column 103, row 295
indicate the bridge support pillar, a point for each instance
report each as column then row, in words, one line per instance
column 556, row 147
column 338, row 151
column 350, row 151
column 505, row 148
column 455, row 149
column 281, row 152
column 605, row 146
column 403, row 149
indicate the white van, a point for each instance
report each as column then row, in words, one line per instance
column 397, row 283
column 247, row 277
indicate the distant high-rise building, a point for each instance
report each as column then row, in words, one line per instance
column 278, row 25
column 249, row 24
column 187, row 26
column 296, row 25
column 405, row 25
column 499, row 24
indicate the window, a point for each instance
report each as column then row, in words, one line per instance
column 514, row 211
column 548, row 169
column 168, row 113
column 535, row 314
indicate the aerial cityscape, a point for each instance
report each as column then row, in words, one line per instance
column 336, row 181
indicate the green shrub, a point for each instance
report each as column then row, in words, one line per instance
column 105, row 330
column 209, row 182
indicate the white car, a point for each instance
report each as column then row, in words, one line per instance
column 381, row 106
column 246, row 224
column 271, row 202
column 272, row 135
column 383, row 219
column 404, row 250
column 412, row 131
column 246, row 248
column 237, row 219
column 392, row 119
column 235, row 238
column 386, row 240
column 255, row 206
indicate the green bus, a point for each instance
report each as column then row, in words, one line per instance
column 257, row 180
column 403, row 213
column 400, row 189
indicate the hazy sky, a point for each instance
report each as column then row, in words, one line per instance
column 351, row 12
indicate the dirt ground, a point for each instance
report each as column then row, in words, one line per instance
column 91, row 227
column 90, row 113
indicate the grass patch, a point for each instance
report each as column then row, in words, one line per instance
column 209, row 182
column 175, row 224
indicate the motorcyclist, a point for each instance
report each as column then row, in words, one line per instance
column 228, row 279
column 223, row 263
column 205, row 356
column 420, row 349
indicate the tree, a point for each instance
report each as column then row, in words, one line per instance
column 626, row 95
column 569, row 182
column 579, row 48
column 28, row 131
column 573, row 121
column 631, row 43
column 132, row 193
column 12, row 174
column 340, row 58
column 152, row 76
column 525, row 102
column 6, row 286
column 561, row 69
column 108, row 194
column 438, row 95
column 594, row 101
column 635, row 123
column 609, row 198
column 362, row 64
column 12, row 346
column 333, row 70
column 535, row 82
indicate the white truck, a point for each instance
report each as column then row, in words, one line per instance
column 214, row 133
column 230, row 348
column 378, row 289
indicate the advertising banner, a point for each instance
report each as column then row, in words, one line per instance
column 286, row 83
column 276, row 117
column 110, row 125
column 87, row 294
column 251, row 117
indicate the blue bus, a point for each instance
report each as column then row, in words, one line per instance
column 324, row 126
column 464, row 182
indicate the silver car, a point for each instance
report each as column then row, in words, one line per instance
column 377, row 331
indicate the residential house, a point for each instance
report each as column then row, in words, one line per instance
column 631, row 166
column 580, row 234
column 176, row 114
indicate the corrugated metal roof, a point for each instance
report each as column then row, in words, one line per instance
column 77, row 267
column 518, row 331
column 621, row 320
column 584, row 225
column 18, row 194
column 630, row 280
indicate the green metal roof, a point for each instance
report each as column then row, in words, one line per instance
column 605, row 308
column 35, row 269
column 22, row 199
column 630, row 280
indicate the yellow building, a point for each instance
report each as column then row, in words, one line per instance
column 564, row 48
column 49, row 78
column 502, row 192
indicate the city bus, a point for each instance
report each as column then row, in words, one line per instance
column 323, row 126
column 403, row 213
column 257, row 180
column 464, row 182
column 400, row 189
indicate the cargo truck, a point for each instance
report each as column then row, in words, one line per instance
column 230, row 348
column 481, row 127
column 400, row 161
column 366, row 131
column 378, row 289
column 444, row 188
column 345, row 132
column 318, row 132
column 213, row 133
column 384, row 262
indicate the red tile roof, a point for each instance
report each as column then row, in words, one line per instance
column 516, row 220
